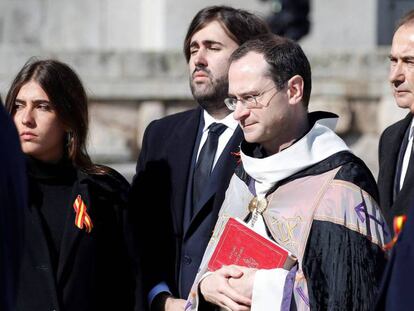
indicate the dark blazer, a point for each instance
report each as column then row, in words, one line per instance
column 172, row 243
column 396, row 291
column 389, row 147
column 94, row 270
column 13, row 196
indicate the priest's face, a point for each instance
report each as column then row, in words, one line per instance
column 269, row 123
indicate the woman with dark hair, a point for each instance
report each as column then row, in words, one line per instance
column 77, row 241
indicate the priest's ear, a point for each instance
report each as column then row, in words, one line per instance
column 295, row 87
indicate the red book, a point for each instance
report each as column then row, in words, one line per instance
column 240, row 245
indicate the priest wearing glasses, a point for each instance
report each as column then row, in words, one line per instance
column 299, row 185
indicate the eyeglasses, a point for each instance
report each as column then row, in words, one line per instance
column 248, row 101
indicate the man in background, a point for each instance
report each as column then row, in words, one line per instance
column 186, row 160
column 396, row 175
column 396, row 164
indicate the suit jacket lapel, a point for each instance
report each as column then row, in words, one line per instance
column 71, row 233
column 181, row 153
column 404, row 198
column 392, row 144
column 220, row 176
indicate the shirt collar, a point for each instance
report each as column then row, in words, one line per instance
column 227, row 121
column 411, row 133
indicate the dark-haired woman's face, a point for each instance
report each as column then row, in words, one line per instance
column 40, row 131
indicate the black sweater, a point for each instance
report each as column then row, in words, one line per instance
column 50, row 189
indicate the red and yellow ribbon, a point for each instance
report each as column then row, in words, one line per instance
column 82, row 218
column 237, row 156
column 398, row 225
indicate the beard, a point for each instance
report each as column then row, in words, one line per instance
column 210, row 96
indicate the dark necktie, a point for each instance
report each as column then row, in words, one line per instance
column 205, row 160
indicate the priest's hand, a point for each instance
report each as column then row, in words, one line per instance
column 216, row 289
column 244, row 284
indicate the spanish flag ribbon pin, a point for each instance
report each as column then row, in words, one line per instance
column 398, row 225
column 82, row 218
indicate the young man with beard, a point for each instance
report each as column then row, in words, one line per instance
column 186, row 160
column 299, row 185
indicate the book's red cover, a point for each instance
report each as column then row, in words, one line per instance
column 240, row 245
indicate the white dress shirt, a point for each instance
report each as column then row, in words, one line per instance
column 407, row 155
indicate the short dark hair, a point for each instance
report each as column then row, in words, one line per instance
column 285, row 58
column 407, row 18
column 67, row 95
column 240, row 25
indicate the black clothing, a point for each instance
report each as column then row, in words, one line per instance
column 396, row 291
column 13, row 200
column 51, row 190
column 389, row 148
column 173, row 240
column 67, row 268
column 343, row 268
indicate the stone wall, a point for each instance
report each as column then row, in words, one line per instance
column 124, row 99
column 127, row 52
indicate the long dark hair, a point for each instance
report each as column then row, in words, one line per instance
column 67, row 95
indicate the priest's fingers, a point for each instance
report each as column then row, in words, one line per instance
column 234, row 295
column 216, row 289
column 244, row 285
column 232, row 271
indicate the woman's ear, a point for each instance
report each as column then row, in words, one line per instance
column 295, row 89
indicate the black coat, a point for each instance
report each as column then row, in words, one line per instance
column 94, row 270
column 396, row 291
column 172, row 243
column 389, row 147
column 12, row 202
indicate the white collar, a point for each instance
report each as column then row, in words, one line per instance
column 227, row 121
column 318, row 144
column 411, row 133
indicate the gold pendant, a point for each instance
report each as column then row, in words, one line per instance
column 258, row 205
